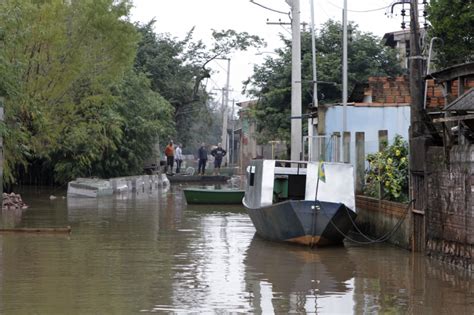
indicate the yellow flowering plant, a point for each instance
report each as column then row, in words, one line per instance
column 388, row 172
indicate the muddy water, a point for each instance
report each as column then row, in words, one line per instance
column 152, row 253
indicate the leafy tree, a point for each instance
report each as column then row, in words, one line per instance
column 453, row 21
column 63, row 58
column 146, row 116
column 177, row 70
column 271, row 82
column 82, row 101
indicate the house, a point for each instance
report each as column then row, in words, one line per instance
column 247, row 142
column 382, row 103
column 400, row 40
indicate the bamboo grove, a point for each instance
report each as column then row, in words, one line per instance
column 88, row 93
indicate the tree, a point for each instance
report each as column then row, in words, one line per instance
column 62, row 60
column 177, row 69
column 271, row 82
column 453, row 22
column 88, row 93
column 146, row 116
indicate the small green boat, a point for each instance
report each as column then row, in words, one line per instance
column 213, row 196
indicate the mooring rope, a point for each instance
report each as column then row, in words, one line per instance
column 370, row 240
column 381, row 239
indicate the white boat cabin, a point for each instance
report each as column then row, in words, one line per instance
column 272, row 181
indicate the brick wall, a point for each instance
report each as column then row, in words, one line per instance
column 378, row 217
column 435, row 97
column 389, row 90
column 450, row 212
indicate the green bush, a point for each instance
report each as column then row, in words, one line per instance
column 388, row 172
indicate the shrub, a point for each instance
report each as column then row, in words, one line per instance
column 388, row 172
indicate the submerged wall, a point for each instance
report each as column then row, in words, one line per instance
column 450, row 213
column 378, row 218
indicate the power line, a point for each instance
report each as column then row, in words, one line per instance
column 267, row 8
column 360, row 11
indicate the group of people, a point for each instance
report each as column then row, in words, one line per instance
column 173, row 154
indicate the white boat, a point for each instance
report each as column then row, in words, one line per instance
column 307, row 202
column 89, row 187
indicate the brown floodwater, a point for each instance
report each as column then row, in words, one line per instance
column 153, row 253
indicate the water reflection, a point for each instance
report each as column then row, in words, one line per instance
column 295, row 276
column 151, row 252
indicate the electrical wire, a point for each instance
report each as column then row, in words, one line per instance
column 360, row 11
column 267, row 8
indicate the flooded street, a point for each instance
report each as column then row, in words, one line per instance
column 153, row 253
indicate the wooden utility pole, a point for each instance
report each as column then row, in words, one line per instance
column 419, row 140
column 416, row 73
column 419, row 133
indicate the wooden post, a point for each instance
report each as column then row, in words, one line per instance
column 360, row 162
column 383, row 143
column 383, row 139
column 336, row 146
column 322, row 148
column 346, row 147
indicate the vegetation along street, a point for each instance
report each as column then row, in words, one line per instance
column 335, row 178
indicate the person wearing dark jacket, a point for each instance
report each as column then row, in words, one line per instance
column 202, row 157
column 218, row 153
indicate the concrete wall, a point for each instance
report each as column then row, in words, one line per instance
column 368, row 119
column 450, row 212
column 379, row 217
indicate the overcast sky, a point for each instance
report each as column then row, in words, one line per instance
column 177, row 17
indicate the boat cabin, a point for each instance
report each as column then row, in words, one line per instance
column 273, row 181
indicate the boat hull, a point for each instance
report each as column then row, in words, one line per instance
column 213, row 196
column 198, row 178
column 90, row 188
column 303, row 222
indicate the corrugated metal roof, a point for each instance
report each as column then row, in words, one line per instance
column 452, row 72
column 465, row 102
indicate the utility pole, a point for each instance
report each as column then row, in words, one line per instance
column 296, row 122
column 416, row 73
column 344, row 67
column 419, row 139
column 225, row 101
column 311, row 122
column 231, row 151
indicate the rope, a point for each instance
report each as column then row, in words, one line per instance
column 370, row 240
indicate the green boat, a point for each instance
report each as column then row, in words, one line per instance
column 213, row 196
column 178, row 178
